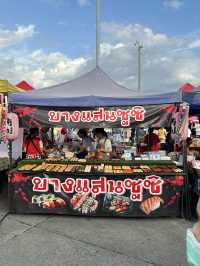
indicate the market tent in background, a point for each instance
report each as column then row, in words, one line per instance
column 187, row 87
column 7, row 87
column 93, row 89
column 191, row 95
column 24, row 85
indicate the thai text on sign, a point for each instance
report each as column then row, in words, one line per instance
column 154, row 184
column 101, row 115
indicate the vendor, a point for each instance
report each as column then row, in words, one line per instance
column 60, row 136
column 87, row 143
column 103, row 143
column 162, row 134
column 46, row 137
column 169, row 145
column 33, row 146
column 152, row 140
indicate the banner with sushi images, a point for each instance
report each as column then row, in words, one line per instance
column 98, row 196
column 121, row 116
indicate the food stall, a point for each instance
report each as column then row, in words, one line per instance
column 192, row 97
column 5, row 88
column 140, row 186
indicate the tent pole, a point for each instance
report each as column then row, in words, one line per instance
column 97, row 32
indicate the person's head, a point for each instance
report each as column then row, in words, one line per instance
column 100, row 133
column 33, row 132
column 151, row 130
column 82, row 133
column 44, row 129
column 64, row 131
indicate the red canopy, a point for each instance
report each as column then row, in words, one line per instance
column 187, row 87
column 24, row 85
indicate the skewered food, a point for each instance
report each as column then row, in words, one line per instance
column 27, row 167
column 137, row 170
column 151, row 204
column 126, row 167
column 117, row 167
column 108, row 169
column 118, row 172
column 88, row 169
column 39, row 167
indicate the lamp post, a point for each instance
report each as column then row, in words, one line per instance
column 139, row 49
column 97, row 32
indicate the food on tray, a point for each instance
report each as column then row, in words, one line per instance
column 137, row 170
column 84, row 203
column 119, row 204
column 88, row 169
column 151, row 204
column 82, row 160
column 49, row 167
column 62, row 168
column 177, row 170
column 118, row 172
column 54, row 159
column 39, row 167
column 117, row 167
column 128, row 171
column 145, row 167
column 69, row 168
column 27, row 167
column 74, row 159
column 124, row 167
column 108, row 169
column 100, row 168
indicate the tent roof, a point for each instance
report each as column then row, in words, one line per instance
column 6, row 87
column 93, row 89
column 24, row 85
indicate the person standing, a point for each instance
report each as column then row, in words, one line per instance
column 104, row 144
column 162, row 134
column 33, row 146
column 152, row 141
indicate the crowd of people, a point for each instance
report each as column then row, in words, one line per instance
column 37, row 142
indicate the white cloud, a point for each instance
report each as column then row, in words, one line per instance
column 40, row 68
column 12, row 37
column 195, row 44
column 83, row 3
column 131, row 33
column 167, row 62
column 175, row 4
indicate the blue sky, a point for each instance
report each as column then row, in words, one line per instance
column 65, row 30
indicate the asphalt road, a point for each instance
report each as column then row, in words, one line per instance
column 61, row 240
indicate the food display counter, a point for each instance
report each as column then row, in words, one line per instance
column 96, row 188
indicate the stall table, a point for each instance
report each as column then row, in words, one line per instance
column 125, row 189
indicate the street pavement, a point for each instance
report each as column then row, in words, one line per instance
column 27, row 240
